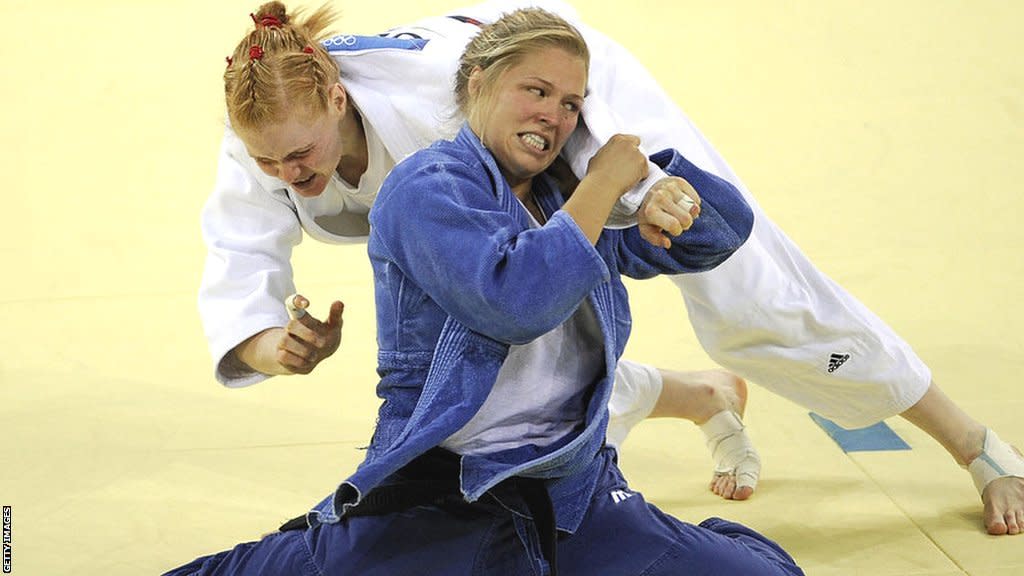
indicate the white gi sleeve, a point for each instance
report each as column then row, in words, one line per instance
column 623, row 97
column 249, row 234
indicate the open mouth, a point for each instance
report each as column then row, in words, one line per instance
column 535, row 141
column 304, row 182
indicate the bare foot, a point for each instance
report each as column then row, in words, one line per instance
column 967, row 440
column 1004, row 504
column 698, row 396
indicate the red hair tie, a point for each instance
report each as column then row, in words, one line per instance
column 308, row 49
column 266, row 21
column 229, row 60
column 256, row 52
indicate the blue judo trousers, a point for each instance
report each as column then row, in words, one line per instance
column 621, row 534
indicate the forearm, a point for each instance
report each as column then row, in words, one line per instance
column 589, row 207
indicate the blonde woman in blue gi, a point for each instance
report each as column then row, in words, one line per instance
column 501, row 314
column 767, row 314
column 321, row 180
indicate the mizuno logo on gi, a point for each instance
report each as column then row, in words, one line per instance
column 837, row 360
column 620, row 495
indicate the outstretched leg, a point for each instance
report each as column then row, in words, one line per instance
column 964, row 438
column 623, row 534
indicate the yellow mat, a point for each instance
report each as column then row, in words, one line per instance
column 884, row 137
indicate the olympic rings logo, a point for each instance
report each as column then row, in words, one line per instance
column 339, row 41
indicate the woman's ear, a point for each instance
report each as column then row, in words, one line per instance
column 475, row 78
column 337, row 98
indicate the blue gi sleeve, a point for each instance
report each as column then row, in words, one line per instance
column 725, row 223
column 440, row 221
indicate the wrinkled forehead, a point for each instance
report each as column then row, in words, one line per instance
column 552, row 64
column 277, row 140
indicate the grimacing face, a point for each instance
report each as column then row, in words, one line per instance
column 304, row 149
column 529, row 112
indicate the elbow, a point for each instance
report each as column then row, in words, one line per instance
column 517, row 330
column 516, row 325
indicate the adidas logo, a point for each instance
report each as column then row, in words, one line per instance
column 620, row 495
column 837, row 360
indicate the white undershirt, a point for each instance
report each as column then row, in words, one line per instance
column 540, row 393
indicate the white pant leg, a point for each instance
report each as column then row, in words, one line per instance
column 771, row 317
column 636, row 391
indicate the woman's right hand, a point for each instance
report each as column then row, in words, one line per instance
column 619, row 164
column 613, row 171
column 296, row 348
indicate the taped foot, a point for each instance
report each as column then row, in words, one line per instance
column 737, row 463
column 998, row 474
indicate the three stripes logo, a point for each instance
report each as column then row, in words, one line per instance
column 837, row 360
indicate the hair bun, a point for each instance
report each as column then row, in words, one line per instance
column 271, row 15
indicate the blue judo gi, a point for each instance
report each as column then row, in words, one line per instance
column 460, row 276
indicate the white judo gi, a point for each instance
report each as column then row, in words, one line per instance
column 767, row 313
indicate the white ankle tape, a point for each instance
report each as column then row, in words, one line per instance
column 731, row 449
column 997, row 460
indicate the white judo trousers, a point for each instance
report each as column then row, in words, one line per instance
column 771, row 317
column 767, row 313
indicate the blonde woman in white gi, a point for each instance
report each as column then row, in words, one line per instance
column 767, row 314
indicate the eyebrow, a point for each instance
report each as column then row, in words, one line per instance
column 291, row 154
column 299, row 151
column 550, row 85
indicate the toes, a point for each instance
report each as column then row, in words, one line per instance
column 997, row 523
column 996, row 527
column 724, row 486
column 742, row 493
column 1014, row 523
column 1004, row 506
column 716, row 485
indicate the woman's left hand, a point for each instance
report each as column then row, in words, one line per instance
column 670, row 207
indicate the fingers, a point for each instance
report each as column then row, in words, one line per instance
column 309, row 330
column 690, row 196
column 682, row 194
column 666, row 214
column 619, row 164
column 654, row 235
column 308, row 340
column 296, row 305
column 334, row 316
column 302, row 362
column 670, row 207
column 631, row 139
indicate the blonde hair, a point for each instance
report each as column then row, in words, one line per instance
column 507, row 41
column 280, row 66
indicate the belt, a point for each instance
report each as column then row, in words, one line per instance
column 432, row 479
